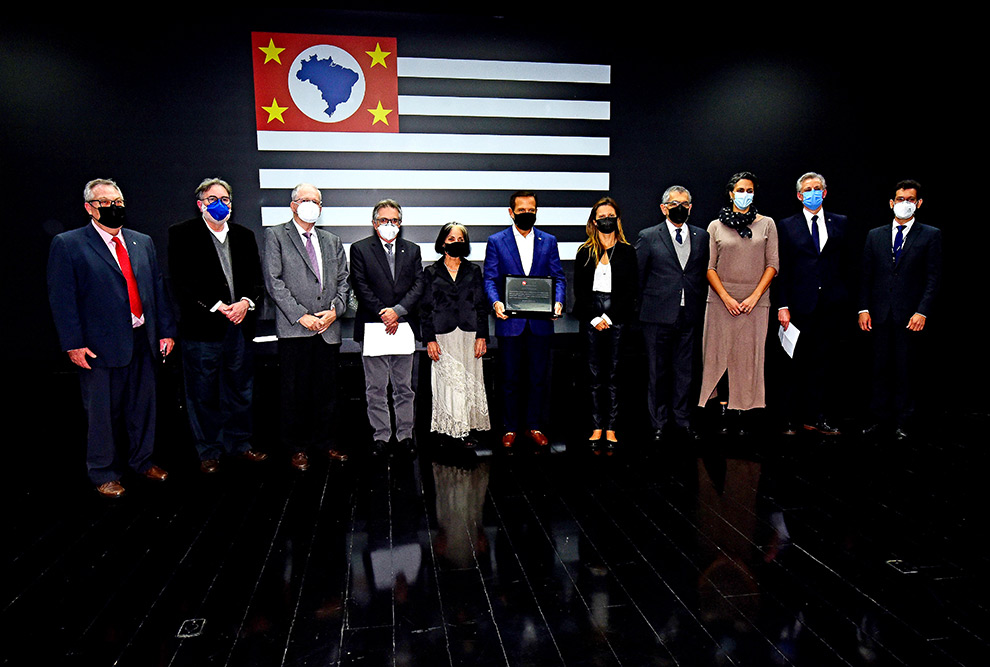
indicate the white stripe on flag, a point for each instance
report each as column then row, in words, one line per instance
column 567, row 249
column 431, row 216
column 502, row 107
column 369, row 142
column 414, row 179
column 503, row 70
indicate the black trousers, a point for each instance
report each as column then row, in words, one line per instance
column 603, row 364
column 308, row 368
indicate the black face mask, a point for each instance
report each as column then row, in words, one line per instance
column 525, row 221
column 112, row 217
column 456, row 248
column 679, row 214
column 607, row 225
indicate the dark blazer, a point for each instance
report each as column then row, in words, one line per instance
column 450, row 303
column 376, row 289
column 294, row 286
column 807, row 278
column 899, row 290
column 625, row 285
column 88, row 295
column 661, row 278
column 198, row 282
column 502, row 259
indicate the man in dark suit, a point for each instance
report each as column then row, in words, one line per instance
column 902, row 266
column 305, row 271
column 813, row 293
column 216, row 279
column 387, row 273
column 524, row 344
column 114, row 320
column 673, row 261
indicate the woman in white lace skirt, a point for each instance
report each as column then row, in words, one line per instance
column 454, row 321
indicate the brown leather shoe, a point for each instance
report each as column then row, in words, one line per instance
column 300, row 461
column 336, row 455
column 254, row 455
column 156, row 474
column 508, row 439
column 209, row 466
column 111, row 489
column 538, row 438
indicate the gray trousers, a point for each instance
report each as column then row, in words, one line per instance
column 378, row 372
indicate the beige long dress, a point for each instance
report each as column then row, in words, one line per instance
column 738, row 344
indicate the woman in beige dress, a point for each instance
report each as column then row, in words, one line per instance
column 743, row 262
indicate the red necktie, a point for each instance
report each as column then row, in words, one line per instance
column 132, row 289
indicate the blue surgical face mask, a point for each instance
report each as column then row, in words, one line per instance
column 812, row 199
column 218, row 211
column 742, row 200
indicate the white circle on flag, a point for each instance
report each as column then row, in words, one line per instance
column 329, row 71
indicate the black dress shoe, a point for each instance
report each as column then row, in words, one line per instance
column 823, row 427
column 406, row 447
column 658, row 435
column 790, row 428
column 692, row 434
column 378, row 448
column 871, row 430
column 901, row 434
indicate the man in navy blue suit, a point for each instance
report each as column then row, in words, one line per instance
column 524, row 344
column 902, row 267
column 114, row 320
column 813, row 293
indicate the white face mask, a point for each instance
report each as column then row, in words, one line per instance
column 388, row 231
column 308, row 211
column 904, row 210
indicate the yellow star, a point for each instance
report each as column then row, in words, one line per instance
column 275, row 112
column 380, row 114
column 271, row 51
column 378, row 56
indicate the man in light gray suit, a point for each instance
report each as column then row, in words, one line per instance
column 673, row 263
column 306, row 277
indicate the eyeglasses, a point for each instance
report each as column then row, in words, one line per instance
column 388, row 221
column 213, row 200
column 103, row 203
column 910, row 199
column 676, row 204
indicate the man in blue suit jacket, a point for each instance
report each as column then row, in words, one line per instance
column 902, row 268
column 113, row 319
column 524, row 344
column 813, row 292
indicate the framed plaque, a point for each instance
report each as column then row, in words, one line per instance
column 530, row 297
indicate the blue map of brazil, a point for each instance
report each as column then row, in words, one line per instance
column 335, row 82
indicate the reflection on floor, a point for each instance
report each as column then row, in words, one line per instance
column 765, row 551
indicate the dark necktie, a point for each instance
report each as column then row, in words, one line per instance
column 898, row 242
column 311, row 251
column 133, row 296
column 390, row 251
column 814, row 234
column 678, row 233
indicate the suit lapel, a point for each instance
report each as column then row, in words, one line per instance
column 296, row 240
column 100, row 248
column 908, row 243
column 378, row 250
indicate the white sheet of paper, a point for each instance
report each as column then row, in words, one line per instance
column 377, row 343
column 789, row 338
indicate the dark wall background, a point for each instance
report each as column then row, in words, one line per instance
column 160, row 103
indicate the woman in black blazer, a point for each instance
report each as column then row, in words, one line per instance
column 454, row 322
column 606, row 286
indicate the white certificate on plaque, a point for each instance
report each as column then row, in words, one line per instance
column 377, row 343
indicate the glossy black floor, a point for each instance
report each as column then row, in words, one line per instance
column 760, row 551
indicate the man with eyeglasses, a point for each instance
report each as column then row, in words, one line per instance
column 114, row 320
column 902, row 267
column 306, row 276
column 673, row 262
column 813, row 293
column 387, row 272
column 216, row 280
